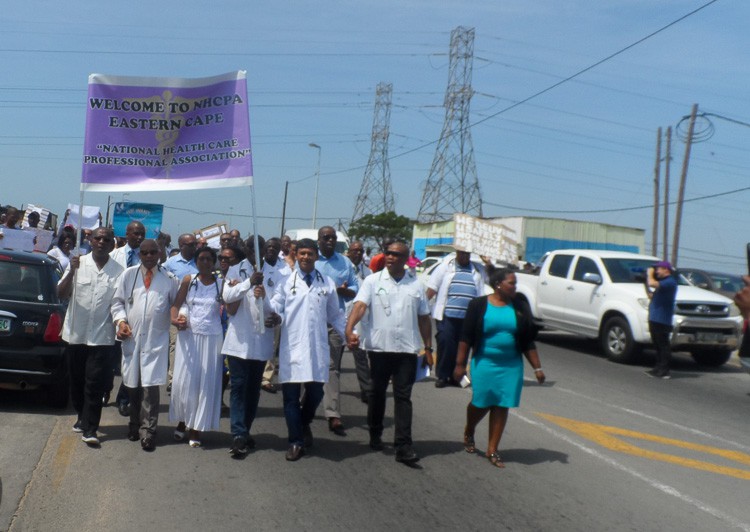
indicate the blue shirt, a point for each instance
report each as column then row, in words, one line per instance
column 180, row 267
column 341, row 270
column 661, row 308
column 461, row 290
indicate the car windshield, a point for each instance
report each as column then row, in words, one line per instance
column 728, row 283
column 23, row 282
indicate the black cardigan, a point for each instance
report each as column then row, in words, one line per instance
column 473, row 329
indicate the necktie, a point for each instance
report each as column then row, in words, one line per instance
column 130, row 257
column 308, row 279
column 147, row 279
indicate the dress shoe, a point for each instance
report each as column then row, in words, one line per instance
column 406, row 455
column 294, row 452
column 124, row 409
column 105, row 398
column 336, row 426
column 239, row 447
column 441, row 383
column 376, row 443
column 268, row 387
column 133, row 434
column 307, row 436
column 148, row 444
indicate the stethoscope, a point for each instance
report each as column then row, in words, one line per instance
column 194, row 283
column 294, row 283
column 135, row 280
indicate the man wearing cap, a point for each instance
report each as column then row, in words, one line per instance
column 662, row 291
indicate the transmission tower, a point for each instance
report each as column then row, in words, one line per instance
column 452, row 185
column 376, row 194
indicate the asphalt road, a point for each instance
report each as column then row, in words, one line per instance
column 600, row 447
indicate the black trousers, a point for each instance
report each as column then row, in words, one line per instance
column 88, row 381
column 401, row 368
column 660, row 336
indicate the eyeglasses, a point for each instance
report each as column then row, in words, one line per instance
column 221, row 258
column 328, row 237
column 394, row 254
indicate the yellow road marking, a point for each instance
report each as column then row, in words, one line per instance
column 62, row 459
column 605, row 436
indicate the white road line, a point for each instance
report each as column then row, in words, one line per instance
column 669, row 490
column 654, row 418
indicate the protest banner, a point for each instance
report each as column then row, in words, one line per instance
column 43, row 239
column 485, row 238
column 166, row 133
column 17, row 239
column 149, row 214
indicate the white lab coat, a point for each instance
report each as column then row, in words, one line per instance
column 304, row 355
column 242, row 339
column 146, row 353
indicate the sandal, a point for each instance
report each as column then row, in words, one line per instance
column 469, row 445
column 495, row 460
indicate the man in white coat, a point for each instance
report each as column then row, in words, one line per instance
column 304, row 304
column 248, row 346
column 140, row 310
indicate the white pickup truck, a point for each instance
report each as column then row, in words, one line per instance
column 602, row 294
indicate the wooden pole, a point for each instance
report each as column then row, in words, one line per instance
column 667, row 165
column 655, row 224
column 683, row 179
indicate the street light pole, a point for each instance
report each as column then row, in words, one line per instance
column 317, row 184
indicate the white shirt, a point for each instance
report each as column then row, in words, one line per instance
column 121, row 255
column 89, row 312
column 441, row 279
column 392, row 325
column 146, row 353
column 274, row 275
column 304, row 355
column 57, row 254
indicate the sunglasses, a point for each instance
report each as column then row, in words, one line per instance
column 225, row 258
column 328, row 237
column 150, row 252
column 394, row 254
column 101, row 239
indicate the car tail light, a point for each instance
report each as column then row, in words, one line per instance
column 53, row 333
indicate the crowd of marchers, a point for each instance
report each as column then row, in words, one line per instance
column 200, row 320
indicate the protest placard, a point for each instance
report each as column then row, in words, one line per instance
column 90, row 216
column 485, row 238
column 17, row 239
column 212, row 234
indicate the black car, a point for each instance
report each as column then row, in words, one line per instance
column 32, row 354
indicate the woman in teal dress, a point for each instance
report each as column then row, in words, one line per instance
column 498, row 329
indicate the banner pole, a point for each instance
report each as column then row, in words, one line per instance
column 259, row 302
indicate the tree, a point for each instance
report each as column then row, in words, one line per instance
column 378, row 227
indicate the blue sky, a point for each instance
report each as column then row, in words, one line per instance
column 587, row 145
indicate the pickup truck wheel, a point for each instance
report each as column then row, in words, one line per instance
column 617, row 340
column 712, row 357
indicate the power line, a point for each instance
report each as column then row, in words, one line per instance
column 624, row 209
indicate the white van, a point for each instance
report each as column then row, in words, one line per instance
column 342, row 241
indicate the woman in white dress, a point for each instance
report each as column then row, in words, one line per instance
column 61, row 252
column 196, row 384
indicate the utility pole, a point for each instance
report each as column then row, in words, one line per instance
column 655, row 223
column 667, row 166
column 683, row 179
column 283, row 209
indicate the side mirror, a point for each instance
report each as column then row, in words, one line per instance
column 593, row 278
